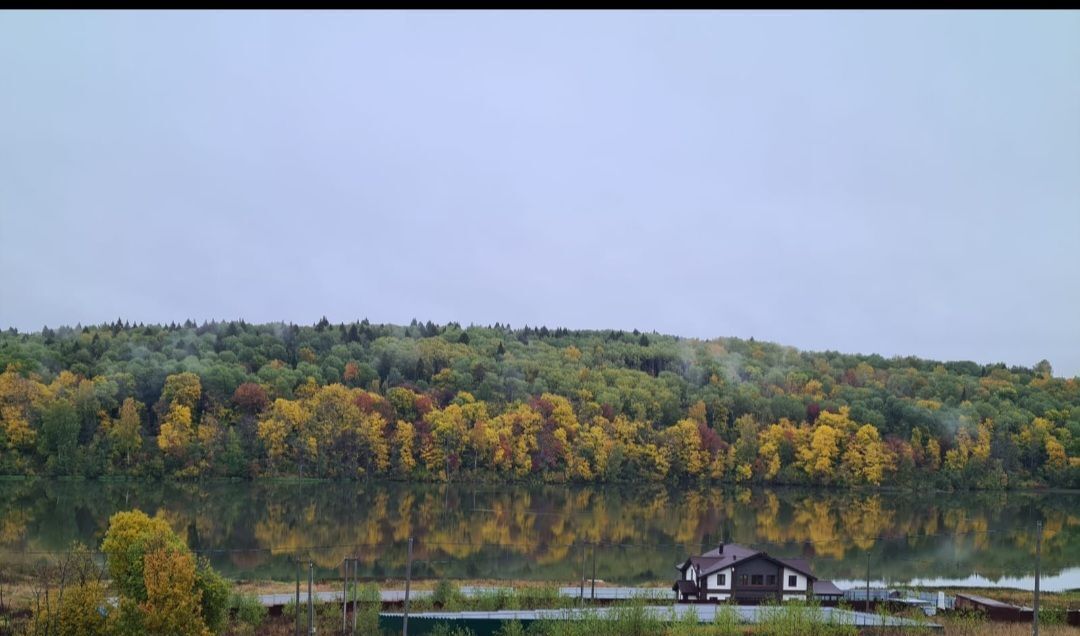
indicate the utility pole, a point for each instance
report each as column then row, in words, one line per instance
column 408, row 580
column 867, row 606
column 345, row 595
column 581, row 595
column 310, row 598
column 593, row 592
column 297, row 596
column 1038, row 559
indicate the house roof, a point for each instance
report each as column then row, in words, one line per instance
column 982, row 600
column 826, row 588
column 685, row 587
column 730, row 554
column 799, row 565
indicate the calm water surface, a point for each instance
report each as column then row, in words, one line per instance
column 252, row 530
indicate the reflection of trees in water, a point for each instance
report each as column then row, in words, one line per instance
column 485, row 531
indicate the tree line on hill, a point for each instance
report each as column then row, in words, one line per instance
column 446, row 402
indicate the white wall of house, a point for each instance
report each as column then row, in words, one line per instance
column 691, row 575
column 794, row 597
column 714, row 580
column 718, row 597
column 800, row 581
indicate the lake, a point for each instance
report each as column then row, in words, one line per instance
column 463, row 531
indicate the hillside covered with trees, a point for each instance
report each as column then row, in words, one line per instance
column 431, row 402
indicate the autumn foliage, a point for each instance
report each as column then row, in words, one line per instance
column 424, row 402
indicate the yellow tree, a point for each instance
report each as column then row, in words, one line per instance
column 520, row 426
column 980, row 451
column 130, row 536
column 933, row 454
column 744, row 452
column 404, row 443
column 697, row 412
column 557, row 434
column 449, row 430
column 183, row 389
column 819, row 458
column 162, row 590
column 769, row 452
column 176, row 432
column 956, row 458
column 173, row 602
column 125, row 432
column 839, row 420
column 866, row 460
column 209, row 434
column 592, row 451
column 371, row 430
column 483, row 440
column 1056, row 458
column 349, row 440
column 688, row 458
column 80, row 610
column 655, row 461
column 777, row 446
column 277, row 431
column 19, row 398
column 480, row 439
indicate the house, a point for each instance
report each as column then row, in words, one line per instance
column 734, row 572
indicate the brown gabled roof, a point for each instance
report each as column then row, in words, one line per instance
column 732, row 554
column 827, row 588
column 989, row 602
column 723, row 557
column 685, row 587
column 799, row 565
column 729, row 550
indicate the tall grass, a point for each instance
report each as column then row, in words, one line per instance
column 727, row 621
column 800, row 619
column 625, row 620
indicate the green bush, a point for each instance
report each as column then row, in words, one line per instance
column 215, row 596
column 249, row 611
column 445, row 629
column 511, row 628
column 368, row 604
column 447, row 595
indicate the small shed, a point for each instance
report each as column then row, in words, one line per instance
column 994, row 610
column 827, row 592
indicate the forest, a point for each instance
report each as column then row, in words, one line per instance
column 433, row 402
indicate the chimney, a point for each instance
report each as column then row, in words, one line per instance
column 720, row 549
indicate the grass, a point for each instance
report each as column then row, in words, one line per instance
column 447, row 596
column 1069, row 599
column 966, row 624
column 631, row 619
column 249, row 618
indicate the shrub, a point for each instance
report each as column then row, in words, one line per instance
column 249, row 611
column 446, row 595
column 215, row 596
column 511, row 628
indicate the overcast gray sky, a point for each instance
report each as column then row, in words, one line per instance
column 899, row 183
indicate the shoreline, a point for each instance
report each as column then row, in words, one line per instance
column 499, row 481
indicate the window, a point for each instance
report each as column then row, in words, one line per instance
column 757, row 579
column 791, row 580
column 770, row 579
column 743, row 579
column 721, row 579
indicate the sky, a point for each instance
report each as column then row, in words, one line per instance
column 866, row 182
